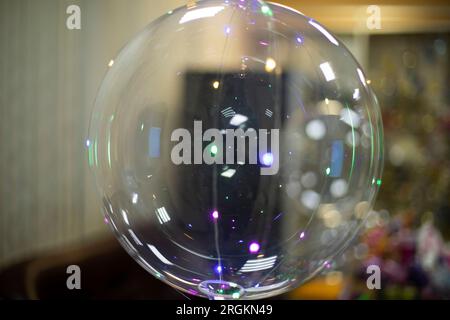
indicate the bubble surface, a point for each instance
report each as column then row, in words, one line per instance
column 226, row 142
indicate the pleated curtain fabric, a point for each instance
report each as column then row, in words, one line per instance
column 49, row 77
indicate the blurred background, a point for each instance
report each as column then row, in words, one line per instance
column 50, row 213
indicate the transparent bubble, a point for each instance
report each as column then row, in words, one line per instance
column 227, row 144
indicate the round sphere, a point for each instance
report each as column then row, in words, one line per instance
column 237, row 147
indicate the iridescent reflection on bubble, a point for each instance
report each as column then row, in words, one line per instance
column 237, row 147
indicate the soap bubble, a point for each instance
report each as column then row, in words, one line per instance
column 220, row 145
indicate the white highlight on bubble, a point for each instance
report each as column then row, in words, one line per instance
column 159, row 255
column 228, row 113
column 259, row 264
column 361, row 76
column 200, row 14
column 327, row 71
column 135, row 238
column 134, row 198
column 179, row 279
column 324, row 32
column 238, row 119
column 125, row 217
column 285, row 7
column 228, row 173
column 356, row 94
column 162, row 215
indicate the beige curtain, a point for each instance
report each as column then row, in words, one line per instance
column 49, row 77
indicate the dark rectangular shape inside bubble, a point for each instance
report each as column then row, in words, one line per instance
column 217, row 99
column 223, row 101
